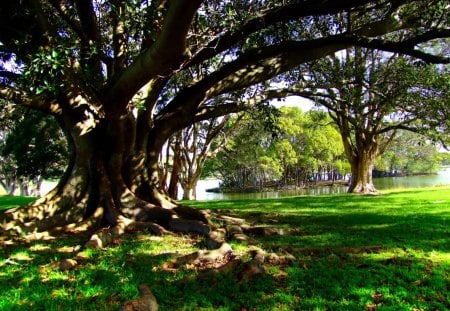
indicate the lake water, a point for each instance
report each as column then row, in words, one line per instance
column 443, row 177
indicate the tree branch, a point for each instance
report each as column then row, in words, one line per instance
column 280, row 14
column 37, row 102
column 405, row 48
column 162, row 58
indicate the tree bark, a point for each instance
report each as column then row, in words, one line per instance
column 189, row 192
column 361, row 153
column 361, row 181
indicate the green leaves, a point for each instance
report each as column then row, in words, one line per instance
column 37, row 146
column 46, row 71
column 304, row 142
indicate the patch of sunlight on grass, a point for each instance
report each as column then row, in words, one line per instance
column 21, row 256
column 371, row 226
column 39, row 247
column 386, row 254
column 92, row 291
column 26, row 279
column 439, row 257
column 166, row 244
column 239, row 248
column 54, row 276
column 59, row 293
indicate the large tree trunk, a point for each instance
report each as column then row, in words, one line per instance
column 361, row 166
column 361, row 152
column 108, row 182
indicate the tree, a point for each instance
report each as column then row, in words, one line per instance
column 8, row 167
column 303, row 147
column 105, row 69
column 408, row 154
column 372, row 95
column 38, row 148
column 190, row 148
column 33, row 149
column 249, row 157
column 322, row 149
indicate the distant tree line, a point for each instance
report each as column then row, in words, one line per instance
column 299, row 149
column 409, row 154
column 304, row 149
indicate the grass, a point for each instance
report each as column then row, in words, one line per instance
column 9, row 201
column 385, row 252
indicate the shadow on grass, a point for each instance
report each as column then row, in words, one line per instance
column 106, row 279
column 427, row 232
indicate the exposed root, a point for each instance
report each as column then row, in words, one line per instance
column 222, row 259
column 187, row 212
column 145, row 302
column 187, row 225
column 203, row 259
column 363, row 188
column 47, row 217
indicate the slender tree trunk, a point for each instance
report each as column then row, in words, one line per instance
column 189, row 191
column 23, row 186
column 175, row 177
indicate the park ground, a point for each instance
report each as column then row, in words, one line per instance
column 347, row 252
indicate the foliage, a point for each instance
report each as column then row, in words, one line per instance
column 303, row 142
column 37, row 146
column 445, row 158
column 352, row 253
column 33, row 148
column 408, row 154
column 371, row 95
column 188, row 150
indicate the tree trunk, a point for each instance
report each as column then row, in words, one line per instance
column 103, row 186
column 361, row 152
column 361, row 167
column 174, row 176
column 189, row 192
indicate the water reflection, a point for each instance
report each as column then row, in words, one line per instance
column 443, row 177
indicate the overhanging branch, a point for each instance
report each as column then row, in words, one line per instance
column 162, row 58
column 280, row 14
column 37, row 102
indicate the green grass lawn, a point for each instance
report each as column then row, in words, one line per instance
column 9, row 201
column 384, row 252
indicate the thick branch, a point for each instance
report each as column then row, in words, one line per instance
column 405, row 48
column 37, row 102
column 268, row 18
column 164, row 56
column 427, row 36
column 89, row 25
column 255, row 66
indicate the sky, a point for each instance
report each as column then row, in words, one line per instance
column 294, row 101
